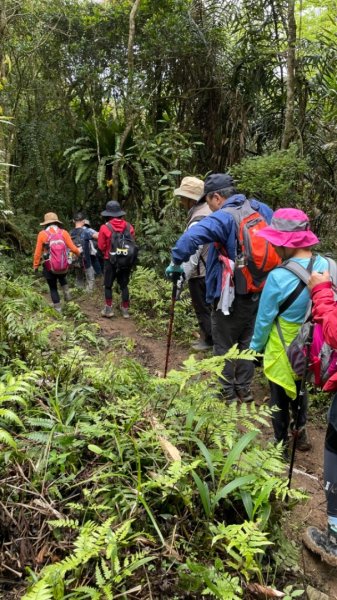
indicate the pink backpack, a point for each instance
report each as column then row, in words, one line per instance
column 57, row 261
column 322, row 364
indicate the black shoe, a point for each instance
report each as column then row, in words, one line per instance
column 322, row 543
column 245, row 395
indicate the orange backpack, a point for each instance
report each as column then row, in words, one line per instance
column 255, row 256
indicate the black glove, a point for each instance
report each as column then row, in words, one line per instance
column 258, row 360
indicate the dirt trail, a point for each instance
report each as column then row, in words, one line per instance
column 151, row 353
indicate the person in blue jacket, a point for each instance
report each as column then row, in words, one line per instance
column 237, row 327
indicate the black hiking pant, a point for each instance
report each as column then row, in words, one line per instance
column 122, row 277
column 285, row 405
column 235, row 328
column 202, row 310
column 330, row 460
column 52, row 280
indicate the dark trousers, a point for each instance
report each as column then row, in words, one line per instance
column 330, row 460
column 235, row 328
column 285, row 405
column 96, row 264
column 52, row 280
column 202, row 310
column 122, row 277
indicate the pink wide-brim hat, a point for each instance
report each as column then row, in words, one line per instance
column 289, row 227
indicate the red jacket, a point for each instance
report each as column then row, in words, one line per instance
column 324, row 311
column 104, row 234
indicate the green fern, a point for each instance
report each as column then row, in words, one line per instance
column 93, row 541
column 40, row 591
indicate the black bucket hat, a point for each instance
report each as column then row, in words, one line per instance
column 113, row 209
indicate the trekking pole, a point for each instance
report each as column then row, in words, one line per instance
column 300, row 399
column 177, row 286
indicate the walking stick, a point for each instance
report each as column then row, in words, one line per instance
column 300, row 399
column 177, row 286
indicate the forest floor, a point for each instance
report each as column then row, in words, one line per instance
column 308, row 474
column 150, row 351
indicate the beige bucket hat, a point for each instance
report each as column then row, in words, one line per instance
column 50, row 218
column 190, row 187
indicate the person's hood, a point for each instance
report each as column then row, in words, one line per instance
column 118, row 224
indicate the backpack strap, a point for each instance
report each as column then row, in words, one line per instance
column 303, row 274
column 127, row 229
column 332, row 268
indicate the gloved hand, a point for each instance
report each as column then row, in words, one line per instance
column 174, row 271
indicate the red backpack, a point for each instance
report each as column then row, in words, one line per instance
column 57, row 261
column 255, row 256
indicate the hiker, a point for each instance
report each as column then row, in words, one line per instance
column 51, row 245
column 283, row 305
column 109, row 237
column 82, row 236
column 324, row 311
column 93, row 249
column 220, row 228
column 190, row 190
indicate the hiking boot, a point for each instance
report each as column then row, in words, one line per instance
column 107, row 312
column 245, row 395
column 227, row 396
column 90, row 279
column 322, row 543
column 302, row 443
column 125, row 312
column 66, row 293
column 58, row 307
column 201, row 346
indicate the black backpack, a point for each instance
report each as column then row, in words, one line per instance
column 77, row 236
column 123, row 250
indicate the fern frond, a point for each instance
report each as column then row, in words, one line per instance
column 40, row 591
column 6, row 438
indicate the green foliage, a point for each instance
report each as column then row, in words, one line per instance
column 133, row 473
column 245, row 545
column 99, row 545
column 151, row 301
column 212, row 581
column 157, row 237
column 277, row 178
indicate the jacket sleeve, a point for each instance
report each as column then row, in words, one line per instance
column 69, row 243
column 265, row 211
column 102, row 242
column 268, row 310
column 325, row 311
column 38, row 249
column 218, row 227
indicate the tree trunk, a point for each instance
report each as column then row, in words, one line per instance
column 289, row 126
column 129, row 104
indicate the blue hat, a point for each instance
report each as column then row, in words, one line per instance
column 216, row 182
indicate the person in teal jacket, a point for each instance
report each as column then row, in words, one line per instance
column 290, row 235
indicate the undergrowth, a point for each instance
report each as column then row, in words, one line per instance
column 151, row 297
column 117, row 484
